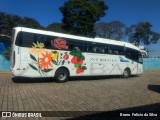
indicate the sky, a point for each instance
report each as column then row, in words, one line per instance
column 127, row 11
column 47, row 11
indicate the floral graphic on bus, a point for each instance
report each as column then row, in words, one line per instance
column 66, row 56
column 77, row 60
column 45, row 61
column 59, row 43
column 54, row 55
column 37, row 48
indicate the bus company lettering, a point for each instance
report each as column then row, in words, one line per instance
column 103, row 60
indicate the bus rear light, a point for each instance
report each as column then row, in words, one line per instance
column 13, row 59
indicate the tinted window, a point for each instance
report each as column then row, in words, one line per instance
column 116, row 50
column 95, row 47
column 25, row 39
column 132, row 54
column 76, row 45
column 44, row 39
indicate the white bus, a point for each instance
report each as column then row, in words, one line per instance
column 39, row 53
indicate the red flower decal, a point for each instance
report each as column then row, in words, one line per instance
column 66, row 56
column 59, row 43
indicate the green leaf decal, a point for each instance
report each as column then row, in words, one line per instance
column 84, row 67
column 77, row 65
column 83, row 57
column 78, row 54
column 79, row 58
column 73, row 53
column 33, row 58
column 63, row 62
column 33, row 67
column 59, row 62
column 54, row 62
column 47, row 70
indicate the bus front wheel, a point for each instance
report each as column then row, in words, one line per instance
column 61, row 75
column 126, row 73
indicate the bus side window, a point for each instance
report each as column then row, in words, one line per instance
column 109, row 50
column 116, row 52
column 84, row 47
column 77, row 49
column 128, row 54
column 77, row 45
column 19, row 39
column 28, row 39
column 102, row 50
column 94, row 50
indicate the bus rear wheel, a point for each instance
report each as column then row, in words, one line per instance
column 126, row 73
column 61, row 75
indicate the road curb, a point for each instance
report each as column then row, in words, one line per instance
column 5, row 72
column 158, row 70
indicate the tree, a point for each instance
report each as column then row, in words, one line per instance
column 79, row 16
column 5, row 23
column 113, row 30
column 9, row 21
column 56, row 27
column 31, row 23
column 142, row 33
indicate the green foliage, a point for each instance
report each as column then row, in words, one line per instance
column 6, row 53
column 79, row 16
column 142, row 33
column 56, row 27
column 31, row 23
column 9, row 21
column 112, row 30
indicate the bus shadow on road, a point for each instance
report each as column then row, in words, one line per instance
column 78, row 78
column 46, row 80
column 152, row 110
column 31, row 80
column 85, row 78
column 154, row 88
column 107, row 77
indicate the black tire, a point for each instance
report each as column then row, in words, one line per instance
column 126, row 73
column 61, row 75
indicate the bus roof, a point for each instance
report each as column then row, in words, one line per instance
column 99, row 40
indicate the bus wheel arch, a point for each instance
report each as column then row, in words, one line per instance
column 126, row 72
column 62, row 74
